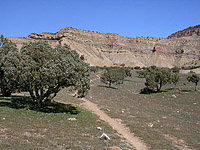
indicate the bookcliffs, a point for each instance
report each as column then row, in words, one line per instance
column 108, row 49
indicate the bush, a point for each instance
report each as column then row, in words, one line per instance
column 137, row 68
column 156, row 77
column 94, row 68
column 115, row 75
column 9, row 71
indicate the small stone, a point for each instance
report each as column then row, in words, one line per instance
column 99, row 128
column 114, row 148
column 4, row 118
column 72, row 119
column 174, row 96
column 27, row 134
column 179, row 142
column 150, row 125
column 164, row 117
column 123, row 111
column 178, row 129
column 104, row 136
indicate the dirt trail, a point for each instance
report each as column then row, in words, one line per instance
column 120, row 128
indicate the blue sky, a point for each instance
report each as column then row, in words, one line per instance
column 155, row 18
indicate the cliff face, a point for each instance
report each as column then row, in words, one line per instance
column 108, row 49
column 191, row 31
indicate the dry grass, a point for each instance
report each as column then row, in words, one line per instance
column 163, row 121
column 153, row 116
column 21, row 128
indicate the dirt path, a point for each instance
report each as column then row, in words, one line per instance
column 120, row 128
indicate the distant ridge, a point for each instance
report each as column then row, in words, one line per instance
column 109, row 49
column 191, row 31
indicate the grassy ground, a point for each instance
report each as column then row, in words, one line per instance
column 23, row 128
column 165, row 121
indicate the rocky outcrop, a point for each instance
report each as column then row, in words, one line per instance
column 191, row 31
column 108, row 49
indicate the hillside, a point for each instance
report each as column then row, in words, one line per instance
column 106, row 49
column 191, row 31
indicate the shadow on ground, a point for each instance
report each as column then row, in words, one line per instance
column 108, row 87
column 147, row 91
column 20, row 102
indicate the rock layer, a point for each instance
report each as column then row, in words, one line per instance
column 191, row 31
column 108, row 49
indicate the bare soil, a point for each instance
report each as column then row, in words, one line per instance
column 120, row 128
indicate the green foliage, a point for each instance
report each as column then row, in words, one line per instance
column 127, row 71
column 175, row 78
column 1, row 40
column 46, row 70
column 175, row 69
column 8, row 64
column 193, row 77
column 175, row 75
column 137, row 68
column 41, row 70
column 115, row 75
column 94, row 68
column 156, row 77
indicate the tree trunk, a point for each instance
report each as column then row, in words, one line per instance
column 195, row 86
column 158, row 89
column 160, row 86
column 109, row 83
column 39, row 104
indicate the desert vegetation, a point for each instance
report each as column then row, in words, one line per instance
column 156, row 77
column 168, row 119
column 163, row 114
column 30, row 80
column 41, row 70
column 116, row 75
column 193, row 77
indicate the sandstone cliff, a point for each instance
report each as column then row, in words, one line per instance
column 107, row 49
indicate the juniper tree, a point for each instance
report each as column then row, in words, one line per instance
column 175, row 75
column 114, row 75
column 156, row 77
column 193, row 77
column 47, row 70
column 8, row 76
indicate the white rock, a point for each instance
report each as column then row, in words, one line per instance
column 108, row 109
column 104, row 136
column 72, row 119
column 174, row 96
column 150, row 125
column 99, row 128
